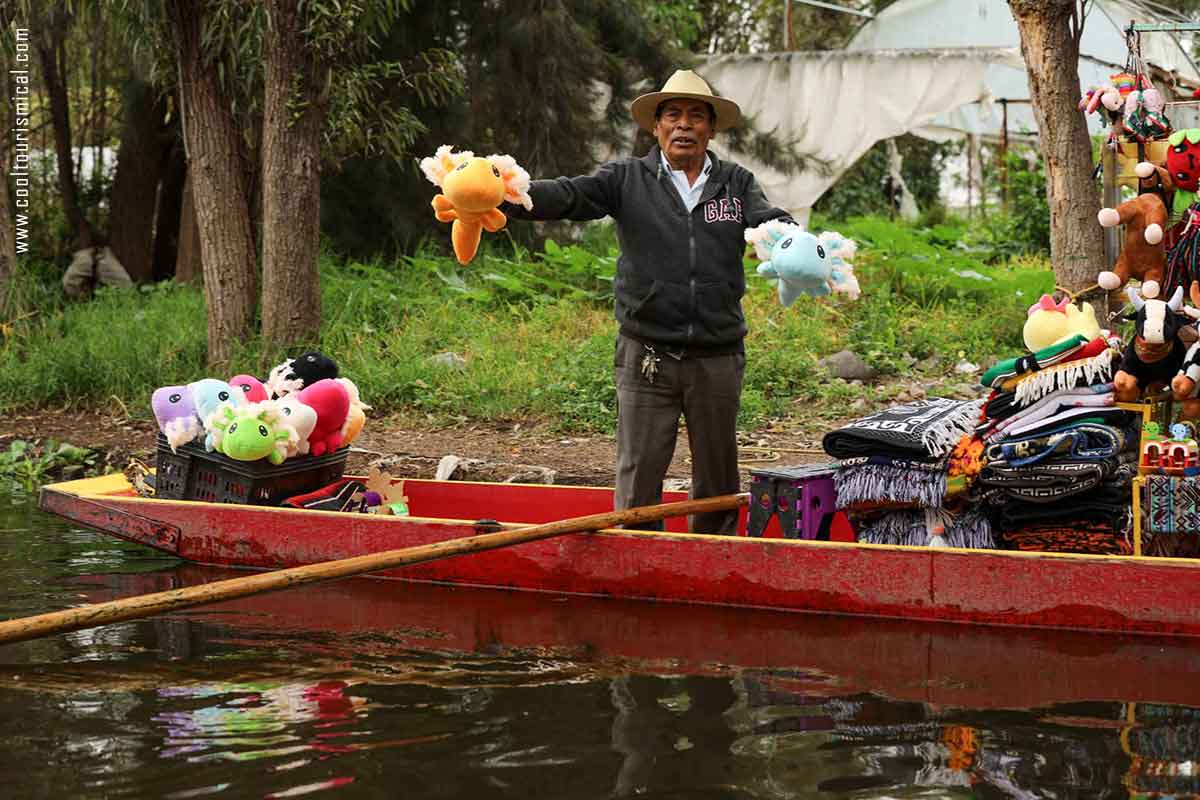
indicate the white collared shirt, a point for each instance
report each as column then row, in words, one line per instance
column 690, row 195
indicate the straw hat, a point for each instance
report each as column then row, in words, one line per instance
column 684, row 83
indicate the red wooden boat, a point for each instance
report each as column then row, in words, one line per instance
column 1049, row 590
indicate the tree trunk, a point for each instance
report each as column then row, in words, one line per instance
column 140, row 162
column 217, row 165
column 52, row 54
column 291, row 174
column 1050, row 31
column 187, row 254
column 170, row 207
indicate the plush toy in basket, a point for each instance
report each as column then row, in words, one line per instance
column 219, row 443
column 472, row 189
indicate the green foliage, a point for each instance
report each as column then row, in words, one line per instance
column 359, row 122
column 26, row 466
column 1025, row 229
column 860, row 191
column 535, row 332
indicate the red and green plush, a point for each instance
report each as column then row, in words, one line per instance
column 1181, row 172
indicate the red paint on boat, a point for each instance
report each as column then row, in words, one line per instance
column 991, row 587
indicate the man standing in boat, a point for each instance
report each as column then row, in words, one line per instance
column 681, row 213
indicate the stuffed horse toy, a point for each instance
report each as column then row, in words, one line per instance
column 472, row 188
column 1143, row 256
column 800, row 261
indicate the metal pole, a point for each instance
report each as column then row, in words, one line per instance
column 1111, row 198
column 1003, row 155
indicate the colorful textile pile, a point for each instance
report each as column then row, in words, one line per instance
column 1060, row 456
column 894, row 474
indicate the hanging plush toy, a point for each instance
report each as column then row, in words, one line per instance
column 472, row 188
column 799, row 261
column 294, row 374
column 176, row 414
column 1143, row 256
column 331, row 401
column 251, row 387
column 1180, row 175
column 1048, row 323
column 1144, row 115
column 251, row 432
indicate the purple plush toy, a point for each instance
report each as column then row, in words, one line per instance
column 176, row 415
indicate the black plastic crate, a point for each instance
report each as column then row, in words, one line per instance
column 193, row 473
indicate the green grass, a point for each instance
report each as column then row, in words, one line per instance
column 536, row 331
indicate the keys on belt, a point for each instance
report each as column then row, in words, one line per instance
column 650, row 361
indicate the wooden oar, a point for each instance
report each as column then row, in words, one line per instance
column 17, row 630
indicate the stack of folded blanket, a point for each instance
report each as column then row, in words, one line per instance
column 894, row 469
column 1060, row 456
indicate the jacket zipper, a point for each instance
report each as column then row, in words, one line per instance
column 691, row 275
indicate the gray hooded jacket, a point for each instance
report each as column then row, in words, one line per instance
column 680, row 278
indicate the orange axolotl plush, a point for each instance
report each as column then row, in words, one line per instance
column 472, row 188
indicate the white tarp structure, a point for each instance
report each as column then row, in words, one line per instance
column 990, row 23
column 836, row 105
column 931, row 67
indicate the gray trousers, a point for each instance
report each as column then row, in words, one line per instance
column 707, row 391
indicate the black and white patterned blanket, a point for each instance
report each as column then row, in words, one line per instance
column 924, row 429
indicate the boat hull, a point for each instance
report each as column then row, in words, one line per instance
column 1109, row 593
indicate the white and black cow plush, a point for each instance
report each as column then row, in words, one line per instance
column 1185, row 386
column 1154, row 356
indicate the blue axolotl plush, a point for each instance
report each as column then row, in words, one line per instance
column 801, row 262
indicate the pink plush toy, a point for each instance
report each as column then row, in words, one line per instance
column 252, row 387
column 331, row 401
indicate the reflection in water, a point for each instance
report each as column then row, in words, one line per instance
column 370, row 688
column 244, row 722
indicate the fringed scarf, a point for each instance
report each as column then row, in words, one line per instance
column 1084, row 372
column 923, row 430
column 880, row 479
column 970, row 529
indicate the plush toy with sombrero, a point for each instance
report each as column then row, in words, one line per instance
column 472, row 188
column 685, row 84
